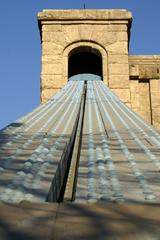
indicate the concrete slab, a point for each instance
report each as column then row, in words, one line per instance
column 37, row 221
column 27, row 221
column 107, row 221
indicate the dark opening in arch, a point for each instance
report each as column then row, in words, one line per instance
column 84, row 59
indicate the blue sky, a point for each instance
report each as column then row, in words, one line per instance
column 20, row 49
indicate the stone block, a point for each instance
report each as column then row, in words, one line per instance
column 46, row 94
column 121, row 69
column 136, row 110
column 59, row 38
column 122, row 36
column 123, row 94
column 52, row 81
column 85, row 31
column 100, row 34
column 144, row 101
column 156, row 117
column 155, row 85
column 118, row 81
column 85, row 14
column 52, row 28
column 46, row 37
column 98, row 31
column 51, row 58
column 134, row 89
column 117, row 58
column 71, row 32
column 134, row 71
column 108, row 38
column 50, row 48
column 149, row 71
column 117, row 28
column 52, row 68
column 118, row 47
column 155, row 99
column 155, row 93
column 145, row 115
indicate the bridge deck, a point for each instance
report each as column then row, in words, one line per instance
column 116, row 154
column 120, row 155
column 35, row 149
column 52, row 221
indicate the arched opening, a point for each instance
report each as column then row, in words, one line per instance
column 85, row 60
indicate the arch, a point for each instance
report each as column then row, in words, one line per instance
column 84, row 59
column 88, row 46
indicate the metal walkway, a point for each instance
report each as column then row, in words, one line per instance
column 83, row 145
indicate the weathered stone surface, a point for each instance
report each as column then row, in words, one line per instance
column 144, row 98
column 121, row 69
column 122, row 36
column 98, row 30
column 118, row 58
column 52, row 81
column 50, row 48
column 108, row 38
column 52, row 68
column 155, row 93
column 123, row 94
column 117, row 28
column 51, row 58
column 47, row 93
column 70, row 14
column 85, row 32
column 118, row 47
column 156, row 117
column 71, row 32
column 134, row 89
column 134, row 71
column 52, row 28
column 104, row 30
column 145, row 67
column 155, row 101
column 149, row 72
column 118, row 81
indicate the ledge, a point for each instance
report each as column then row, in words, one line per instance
column 85, row 14
column 144, row 59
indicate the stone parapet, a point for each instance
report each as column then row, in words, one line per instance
column 144, row 74
column 144, row 67
column 84, row 14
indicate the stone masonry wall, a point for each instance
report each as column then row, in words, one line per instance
column 135, row 79
column 105, row 30
column 145, row 87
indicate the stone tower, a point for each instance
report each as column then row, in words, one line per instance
column 101, row 32
column 96, row 41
